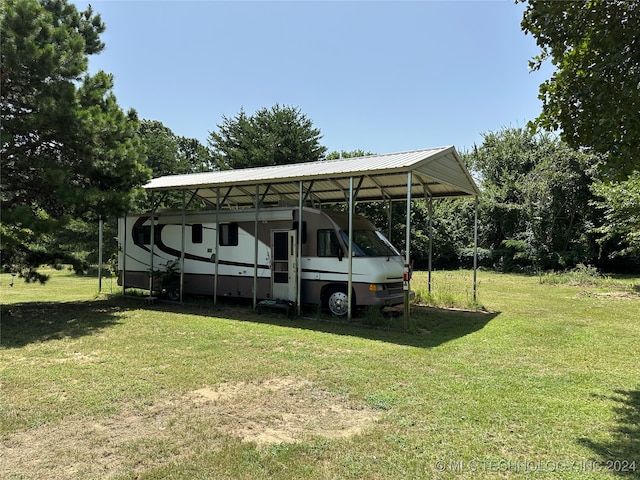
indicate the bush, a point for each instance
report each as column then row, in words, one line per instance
column 581, row 275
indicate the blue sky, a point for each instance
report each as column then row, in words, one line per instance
column 372, row 75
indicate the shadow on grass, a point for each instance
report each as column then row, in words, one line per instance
column 621, row 455
column 429, row 327
column 30, row 322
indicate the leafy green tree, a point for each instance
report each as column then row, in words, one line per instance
column 170, row 154
column 196, row 155
column 453, row 235
column 277, row 136
column 535, row 208
column 619, row 207
column 162, row 149
column 335, row 155
column 68, row 150
column 593, row 96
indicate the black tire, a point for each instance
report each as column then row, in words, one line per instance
column 173, row 293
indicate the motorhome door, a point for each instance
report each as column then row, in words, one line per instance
column 283, row 268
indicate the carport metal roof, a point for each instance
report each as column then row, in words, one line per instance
column 435, row 172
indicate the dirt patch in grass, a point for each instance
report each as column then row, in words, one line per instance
column 617, row 295
column 280, row 410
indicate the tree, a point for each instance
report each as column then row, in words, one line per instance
column 535, row 208
column 170, row 154
column 593, row 96
column 619, row 207
column 335, row 155
column 196, row 155
column 277, row 136
column 162, row 149
column 68, row 150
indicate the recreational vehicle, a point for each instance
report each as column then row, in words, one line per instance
column 222, row 262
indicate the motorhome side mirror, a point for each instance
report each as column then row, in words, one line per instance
column 340, row 254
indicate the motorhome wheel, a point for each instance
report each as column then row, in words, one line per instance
column 172, row 293
column 337, row 302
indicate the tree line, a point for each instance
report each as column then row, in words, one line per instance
column 563, row 191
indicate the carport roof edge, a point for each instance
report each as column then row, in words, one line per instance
column 436, row 172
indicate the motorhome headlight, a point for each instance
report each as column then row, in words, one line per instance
column 376, row 287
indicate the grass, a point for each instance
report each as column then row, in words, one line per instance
column 543, row 381
column 453, row 289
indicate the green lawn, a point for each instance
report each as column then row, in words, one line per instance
column 542, row 382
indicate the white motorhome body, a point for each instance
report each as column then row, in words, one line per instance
column 377, row 267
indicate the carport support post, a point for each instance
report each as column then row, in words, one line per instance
column 475, row 250
column 153, row 228
column 407, row 275
column 299, row 253
column 124, row 253
column 182, row 243
column 100, row 228
column 389, row 211
column 217, row 236
column 255, row 251
column 350, row 252
column 430, row 242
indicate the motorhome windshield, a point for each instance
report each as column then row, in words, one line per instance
column 369, row 243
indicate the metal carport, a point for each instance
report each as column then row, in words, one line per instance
column 427, row 173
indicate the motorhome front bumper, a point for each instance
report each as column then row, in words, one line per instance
column 382, row 294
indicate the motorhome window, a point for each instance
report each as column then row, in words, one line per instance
column 281, row 245
column 369, row 243
column 328, row 245
column 385, row 240
column 229, row 234
column 196, row 233
column 142, row 234
column 304, row 230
